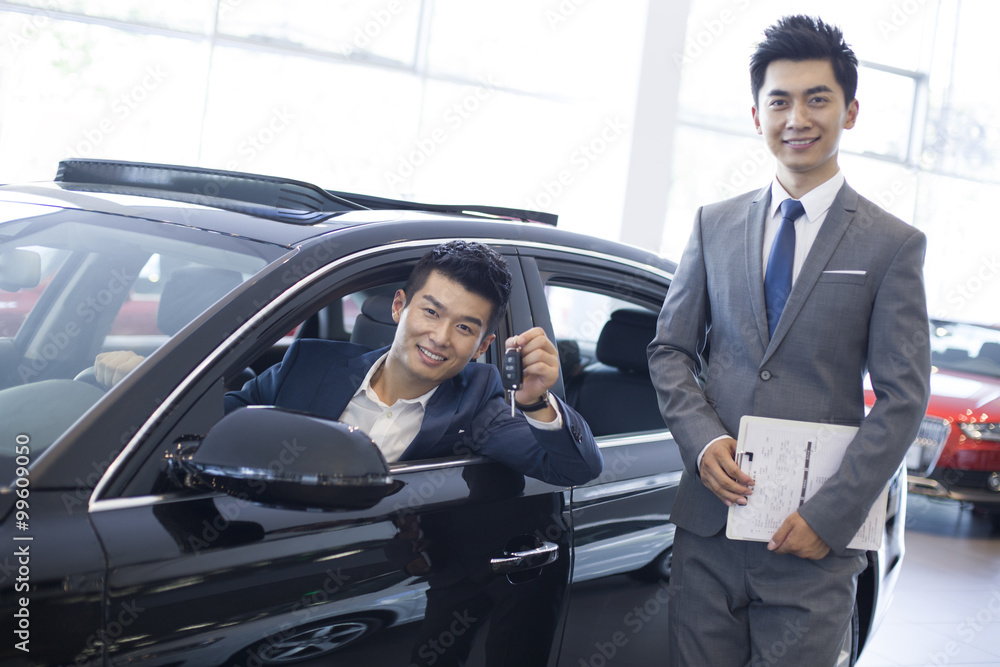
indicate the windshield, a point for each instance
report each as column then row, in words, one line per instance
column 74, row 284
column 965, row 347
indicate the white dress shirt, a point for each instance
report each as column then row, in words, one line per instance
column 393, row 427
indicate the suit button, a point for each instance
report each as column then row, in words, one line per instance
column 765, row 375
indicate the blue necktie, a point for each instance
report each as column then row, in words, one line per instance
column 778, row 277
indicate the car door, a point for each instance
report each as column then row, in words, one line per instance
column 602, row 308
column 444, row 571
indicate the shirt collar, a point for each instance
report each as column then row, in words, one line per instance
column 366, row 388
column 816, row 202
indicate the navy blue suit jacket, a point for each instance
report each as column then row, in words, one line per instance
column 467, row 414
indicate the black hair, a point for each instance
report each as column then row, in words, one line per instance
column 475, row 266
column 805, row 38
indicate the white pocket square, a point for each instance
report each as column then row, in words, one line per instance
column 848, row 272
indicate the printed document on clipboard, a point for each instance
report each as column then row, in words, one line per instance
column 789, row 461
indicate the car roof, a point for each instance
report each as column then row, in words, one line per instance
column 287, row 212
column 199, row 216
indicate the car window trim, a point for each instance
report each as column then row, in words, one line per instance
column 423, row 465
column 320, row 273
column 626, row 487
column 131, row 502
column 625, row 439
column 594, row 254
column 540, row 309
column 399, row 468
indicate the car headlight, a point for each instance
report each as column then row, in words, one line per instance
column 989, row 431
column 923, row 454
column 993, row 481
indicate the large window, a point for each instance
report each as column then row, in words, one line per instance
column 926, row 146
column 520, row 103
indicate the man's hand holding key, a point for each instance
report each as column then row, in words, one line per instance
column 539, row 372
column 511, row 374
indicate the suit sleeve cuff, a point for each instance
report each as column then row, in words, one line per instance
column 553, row 425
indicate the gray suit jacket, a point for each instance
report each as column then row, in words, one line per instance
column 837, row 324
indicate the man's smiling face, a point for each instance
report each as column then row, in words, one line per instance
column 801, row 113
column 441, row 329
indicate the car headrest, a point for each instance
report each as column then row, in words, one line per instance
column 624, row 338
column 189, row 291
column 990, row 351
column 20, row 269
column 374, row 327
column 952, row 354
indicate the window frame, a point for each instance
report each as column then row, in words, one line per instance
column 643, row 285
column 186, row 403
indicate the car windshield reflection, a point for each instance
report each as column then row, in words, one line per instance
column 74, row 284
column 965, row 347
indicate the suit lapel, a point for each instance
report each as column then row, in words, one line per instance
column 754, row 235
column 838, row 219
column 438, row 416
column 332, row 397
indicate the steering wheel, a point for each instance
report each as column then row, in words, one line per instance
column 89, row 376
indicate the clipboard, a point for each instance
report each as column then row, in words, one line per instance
column 789, row 461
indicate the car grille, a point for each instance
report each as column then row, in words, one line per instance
column 967, row 479
column 926, row 448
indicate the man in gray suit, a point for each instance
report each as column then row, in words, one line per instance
column 852, row 301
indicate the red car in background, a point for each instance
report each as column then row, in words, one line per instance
column 957, row 451
column 136, row 317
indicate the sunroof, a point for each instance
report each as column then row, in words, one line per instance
column 280, row 199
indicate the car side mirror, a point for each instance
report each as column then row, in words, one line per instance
column 285, row 459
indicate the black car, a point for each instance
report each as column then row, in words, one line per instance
column 142, row 526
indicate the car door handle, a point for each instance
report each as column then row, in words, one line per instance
column 529, row 559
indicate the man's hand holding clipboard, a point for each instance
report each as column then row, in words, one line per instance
column 788, row 462
column 722, row 475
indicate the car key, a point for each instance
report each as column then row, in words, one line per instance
column 511, row 374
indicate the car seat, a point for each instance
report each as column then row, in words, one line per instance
column 616, row 394
column 374, row 327
column 189, row 291
column 990, row 352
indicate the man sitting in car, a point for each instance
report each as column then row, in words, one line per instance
column 420, row 397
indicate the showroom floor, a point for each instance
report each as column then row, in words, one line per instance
column 946, row 609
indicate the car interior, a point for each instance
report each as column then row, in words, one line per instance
column 964, row 347
column 615, row 393
column 608, row 383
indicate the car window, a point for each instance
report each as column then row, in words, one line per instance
column 352, row 305
column 579, row 316
column 360, row 315
column 965, row 347
column 602, row 351
column 76, row 283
